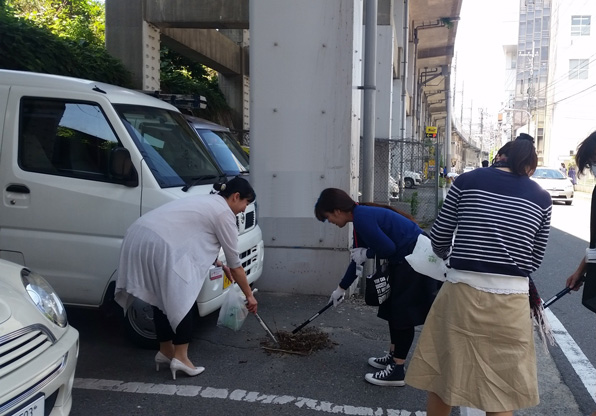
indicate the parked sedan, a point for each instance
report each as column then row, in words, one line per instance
column 38, row 349
column 558, row 185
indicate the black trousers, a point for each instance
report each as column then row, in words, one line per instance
column 402, row 338
column 164, row 332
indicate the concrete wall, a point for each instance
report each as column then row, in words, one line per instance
column 124, row 35
column 305, row 125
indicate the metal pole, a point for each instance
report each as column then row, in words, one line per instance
column 404, row 93
column 447, row 151
column 437, row 159
column 368, row 114
column 370, row 89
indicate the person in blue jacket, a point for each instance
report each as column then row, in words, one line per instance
column 384, row 232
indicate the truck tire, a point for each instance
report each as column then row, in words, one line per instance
column 139, row 325
column 409, row 183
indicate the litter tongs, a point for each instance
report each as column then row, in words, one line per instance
column 264, row 325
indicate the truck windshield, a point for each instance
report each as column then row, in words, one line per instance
column 232, row 159
column 169, row 147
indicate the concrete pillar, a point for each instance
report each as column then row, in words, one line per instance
column 305, row 71
column 384, row 100
column 401, row 123
column 133, row 41
column 235, row 87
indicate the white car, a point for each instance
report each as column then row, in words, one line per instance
column 468, row 169
column 38, row 349
column 555, row 183
column 411, row 178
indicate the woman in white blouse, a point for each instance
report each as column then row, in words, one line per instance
column 166, row 255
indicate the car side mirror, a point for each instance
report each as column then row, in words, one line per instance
column 121, row 167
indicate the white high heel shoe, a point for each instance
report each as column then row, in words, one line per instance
column 176, row 365
column 161, row 359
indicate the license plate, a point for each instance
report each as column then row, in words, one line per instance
column 35, row 408
column 227, row 282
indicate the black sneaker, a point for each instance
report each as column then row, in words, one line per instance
column 393, row 375
column 381, row 362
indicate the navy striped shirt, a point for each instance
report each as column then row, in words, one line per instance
column 500, row 222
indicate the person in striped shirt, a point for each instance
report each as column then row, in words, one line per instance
column 477, row 346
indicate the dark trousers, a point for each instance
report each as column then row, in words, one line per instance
column 164, row 331
column 402, row 338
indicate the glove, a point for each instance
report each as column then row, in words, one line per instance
column 358, row 255
column 337, row 296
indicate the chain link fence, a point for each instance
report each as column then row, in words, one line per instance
column 412, row 165
column 418, row 192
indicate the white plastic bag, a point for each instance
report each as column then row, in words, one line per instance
column 233, row 311
column 425, row 261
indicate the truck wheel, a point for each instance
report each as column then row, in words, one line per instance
column 409, row 183
column 139, row 325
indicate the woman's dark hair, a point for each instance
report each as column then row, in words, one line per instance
column 237, row 184
column 521, row 156
column 585, row 153
column 502, row 151
column 333, row 198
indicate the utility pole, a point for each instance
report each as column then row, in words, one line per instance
column 455, row 80
column 530, row 91
column 461, row 118
column 471, row 116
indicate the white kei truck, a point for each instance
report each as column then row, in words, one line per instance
column 80, row 161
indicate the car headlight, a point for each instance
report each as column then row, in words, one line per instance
column 44, row 297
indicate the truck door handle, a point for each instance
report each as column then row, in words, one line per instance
column 19, row 189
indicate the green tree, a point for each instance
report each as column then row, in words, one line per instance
column 66, row 37
column 26, row 47
column 180, row 75
column 77, row 20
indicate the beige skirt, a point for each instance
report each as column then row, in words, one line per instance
column 477, row 350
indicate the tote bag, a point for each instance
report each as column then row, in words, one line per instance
column 377, row 289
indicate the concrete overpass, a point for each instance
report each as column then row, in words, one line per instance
column 215, row 33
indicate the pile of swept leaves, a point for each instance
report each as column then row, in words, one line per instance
column 304, row 342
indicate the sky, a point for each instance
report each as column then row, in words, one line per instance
column 484, row 27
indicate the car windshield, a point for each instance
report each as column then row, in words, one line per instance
column 542, row 173
column 228, row 153
column 170, row 148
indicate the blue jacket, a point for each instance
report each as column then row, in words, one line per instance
column 385, row 233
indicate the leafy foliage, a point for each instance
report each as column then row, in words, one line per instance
column 66, row 37
column 78, row 20
column 26, row 47
column 180, row 75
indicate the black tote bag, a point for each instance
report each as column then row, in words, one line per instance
column 377, row 289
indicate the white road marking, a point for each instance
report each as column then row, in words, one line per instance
column 580, row 363
column 237, row 395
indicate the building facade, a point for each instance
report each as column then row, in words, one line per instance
column 571, row 90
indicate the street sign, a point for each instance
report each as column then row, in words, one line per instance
column 431, row 131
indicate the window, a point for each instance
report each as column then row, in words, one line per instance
column 578, row 68
column 63, row 138
column 580, row 25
